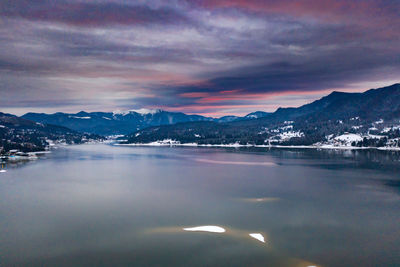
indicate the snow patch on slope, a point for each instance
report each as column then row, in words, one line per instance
column 145, row 111
column 82, row 118
column 141, row 111
column 349, row 137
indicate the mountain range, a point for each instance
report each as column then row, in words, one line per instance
column 28, row 136
column 371, row 118
column 125, row 122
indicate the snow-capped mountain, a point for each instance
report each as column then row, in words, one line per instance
column 28, row 136
column 369, row 119
column 257, row 115
column 112, row 123
column 125, row 121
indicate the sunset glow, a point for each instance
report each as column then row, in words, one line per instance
column 207, row 57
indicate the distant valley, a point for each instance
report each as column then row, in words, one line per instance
column 369, row 119
column 28, row 136
column 125, row 122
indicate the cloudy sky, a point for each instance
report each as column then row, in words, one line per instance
column 206, row 57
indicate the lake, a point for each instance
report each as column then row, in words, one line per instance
column 103, row 205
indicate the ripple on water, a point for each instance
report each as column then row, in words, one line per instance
column 250, row 163
column 260, row 199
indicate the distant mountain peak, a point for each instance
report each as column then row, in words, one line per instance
column 337, row 94
column 145, row 111
column 141, row 111
column 257, row 114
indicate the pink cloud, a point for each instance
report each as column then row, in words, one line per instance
column 385, row 20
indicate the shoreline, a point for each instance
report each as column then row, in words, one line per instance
column 27, row 156
column 331, row 147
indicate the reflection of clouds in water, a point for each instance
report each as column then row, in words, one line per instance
column 260, row 199
column 380, row 193
column 206, row 228
column 250, row 163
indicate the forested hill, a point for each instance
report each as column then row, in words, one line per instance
column 371, row 118
column 29, row 136
column 125, row 122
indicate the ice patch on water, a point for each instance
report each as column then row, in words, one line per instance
column 258, row 236
column 206, row 228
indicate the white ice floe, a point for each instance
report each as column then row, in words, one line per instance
column 258, row 236
column 206, row 228
column 2, row 126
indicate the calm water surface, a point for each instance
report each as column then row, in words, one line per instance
column 101, row 205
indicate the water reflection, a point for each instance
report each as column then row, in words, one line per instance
column 235, row 162
column 228, row 237
column 260, row 199
column 98, row 205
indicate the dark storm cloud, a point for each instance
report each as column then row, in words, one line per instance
column 333, row 69
column 197, row 56
column 89, row 14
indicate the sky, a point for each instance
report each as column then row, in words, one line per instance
column 213, row 58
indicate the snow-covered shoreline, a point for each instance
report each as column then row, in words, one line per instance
column 237, row 145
